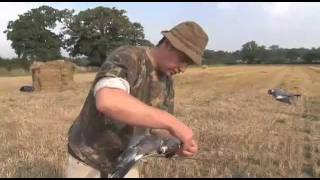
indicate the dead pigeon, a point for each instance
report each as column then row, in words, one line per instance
column 141, row 146
column 283, row 96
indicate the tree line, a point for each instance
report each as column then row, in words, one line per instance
column 252, row 53
column 90, row 35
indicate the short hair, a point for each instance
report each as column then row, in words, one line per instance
column 161, row 41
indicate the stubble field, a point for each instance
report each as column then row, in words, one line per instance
column 241, row 131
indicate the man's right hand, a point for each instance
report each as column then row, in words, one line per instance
column 185, row 134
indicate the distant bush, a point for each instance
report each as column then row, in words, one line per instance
column 15, row 63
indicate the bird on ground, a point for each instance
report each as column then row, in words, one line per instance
column 283, row 96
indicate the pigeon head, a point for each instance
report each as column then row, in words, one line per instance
column 270, row 91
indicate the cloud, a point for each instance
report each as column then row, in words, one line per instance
column 292, row 24
column 293, row 16
column 279, row 9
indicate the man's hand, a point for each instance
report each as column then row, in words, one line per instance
column 187, row 150
column 190, row 146
column 185, row 134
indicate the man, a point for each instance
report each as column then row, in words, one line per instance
column 132, row 94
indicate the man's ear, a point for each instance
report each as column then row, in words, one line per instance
column 168, row 45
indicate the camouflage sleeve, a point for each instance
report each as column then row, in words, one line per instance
column 121, row 63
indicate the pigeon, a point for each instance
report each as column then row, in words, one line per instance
column 142, row 146
column 283, row 96
column 26, row 88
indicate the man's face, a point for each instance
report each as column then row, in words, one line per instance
column 173, row 62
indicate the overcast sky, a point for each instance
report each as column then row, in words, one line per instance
column 228, row 24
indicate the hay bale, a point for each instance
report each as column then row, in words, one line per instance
column 81, row 69
column 53, row 75
column 50, row 78
column 67, row 71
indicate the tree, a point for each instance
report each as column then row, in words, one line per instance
column 262, row 54
column 96, row 32
column 312, row 55
column 144, row 42
column 292, row 55
column 219, row 57
column 249, row 52
column 31, row 34
column 135, row 33
column 274, row 47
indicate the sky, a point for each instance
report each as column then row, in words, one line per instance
column 228, row 24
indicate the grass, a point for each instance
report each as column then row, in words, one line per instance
column 307, row 154
column 281, row 121
column 241, row 131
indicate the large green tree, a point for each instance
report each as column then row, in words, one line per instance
column 96, row 32
column 251, row 52
column 32, row 33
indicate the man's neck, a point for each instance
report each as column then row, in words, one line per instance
column 151, row 55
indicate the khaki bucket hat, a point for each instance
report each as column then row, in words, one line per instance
column 189, row 38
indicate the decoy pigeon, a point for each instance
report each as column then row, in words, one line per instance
column 283, row 96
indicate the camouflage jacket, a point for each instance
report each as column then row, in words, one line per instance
column 98, row 140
